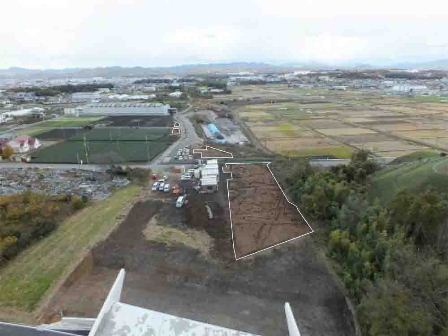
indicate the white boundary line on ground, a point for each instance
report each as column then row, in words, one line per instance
column 286, row 197
column 200, row 150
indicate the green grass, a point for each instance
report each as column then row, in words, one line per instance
column 416, row 176
column 419, row 155
column 100, row 152
column 32, row 131
column 69, row 122
column 340, row 152
column 27, row 278
column 426, row 99
column 45, row 126
column 108, row 145
column 125, row 134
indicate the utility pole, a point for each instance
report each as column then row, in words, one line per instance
column 85, row 149
column 147, row 149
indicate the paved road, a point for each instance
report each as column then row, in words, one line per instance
column 188, row 138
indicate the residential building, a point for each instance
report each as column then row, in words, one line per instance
column 24, row 144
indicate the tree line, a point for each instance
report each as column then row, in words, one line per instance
column 392, row 259
column 62, row 89
column 27, row 217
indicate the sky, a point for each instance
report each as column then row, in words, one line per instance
column 92, row 33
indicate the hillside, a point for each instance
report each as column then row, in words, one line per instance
column 416, row 172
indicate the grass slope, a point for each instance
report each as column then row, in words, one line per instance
column 413, row 175
column 45, row 126
column 26, row 279
column 339, row 152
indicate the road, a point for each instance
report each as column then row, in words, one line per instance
column 188, row 137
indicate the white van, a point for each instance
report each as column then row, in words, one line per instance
column 180, row 201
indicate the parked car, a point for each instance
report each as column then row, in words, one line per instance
column 185, row 177
column 161, row 186
column 180, row 201
column 155, row 186
column 166, row 188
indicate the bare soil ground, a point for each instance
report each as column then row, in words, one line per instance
column 261, row 215
column 246, row 295
column 211, row 152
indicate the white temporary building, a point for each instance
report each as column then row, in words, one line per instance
column 210, row 176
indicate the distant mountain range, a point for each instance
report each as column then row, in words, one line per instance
column 117, row 71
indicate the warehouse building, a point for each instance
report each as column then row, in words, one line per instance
column 121, row 109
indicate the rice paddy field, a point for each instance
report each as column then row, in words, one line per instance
column 323, row 122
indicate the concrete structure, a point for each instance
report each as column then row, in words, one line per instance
column 116, row 318
column 120, row 109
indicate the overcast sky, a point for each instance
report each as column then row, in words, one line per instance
column 90, row 33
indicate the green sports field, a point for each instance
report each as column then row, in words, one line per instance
column 124, row 134
column 108, row 146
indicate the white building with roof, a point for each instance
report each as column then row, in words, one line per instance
column 120, row 109
column 209, row 176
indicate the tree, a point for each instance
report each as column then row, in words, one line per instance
column 7, row 152
column 389, row 308
column 421, row 216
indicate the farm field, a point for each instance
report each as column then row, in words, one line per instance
column 260, row 213
column 103, row 145
column 321, row 122
column 23, row 281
